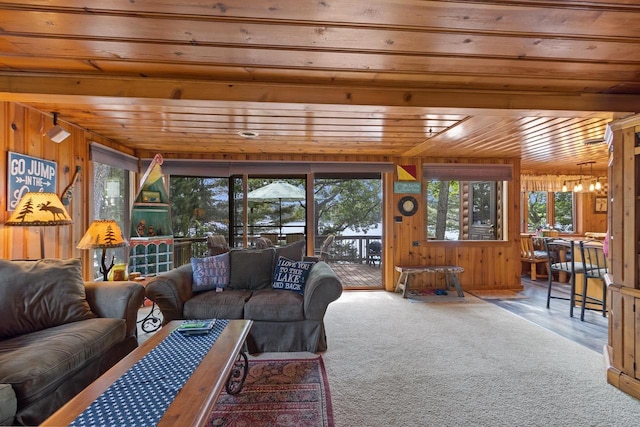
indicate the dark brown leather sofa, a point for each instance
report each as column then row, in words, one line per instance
column 58, row 334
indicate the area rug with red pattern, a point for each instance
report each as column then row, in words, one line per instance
column 278, row 392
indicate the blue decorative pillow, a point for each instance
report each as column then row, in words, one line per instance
column 291, row 275
column 210, row 272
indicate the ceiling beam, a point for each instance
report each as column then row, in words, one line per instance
column 26, row 87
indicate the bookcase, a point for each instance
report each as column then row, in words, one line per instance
column 151, row 240
column 150, row 256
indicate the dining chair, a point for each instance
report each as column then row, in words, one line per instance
column 323, row 252
column 217, row 244
column 561, row 260
column 529, row 254
column 271, row 236
column 594, row 268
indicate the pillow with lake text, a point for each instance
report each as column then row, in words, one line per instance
column 210, row 272
column 291, row 275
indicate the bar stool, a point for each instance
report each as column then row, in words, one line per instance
column 594, row 267
column 561, row 258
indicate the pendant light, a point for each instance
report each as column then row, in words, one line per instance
column 578, row 187
column 598, row 184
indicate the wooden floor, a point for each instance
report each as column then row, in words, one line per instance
column 530, row 304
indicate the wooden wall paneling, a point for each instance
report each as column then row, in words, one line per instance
column 616, row 339
column 628, row 215
column 390, row 232
column 61, row 243
column 22, row 128
column 616, row 209
column 82, row 193
column 629, row 342
column 5, row 135
column 488, row 265
column 54, row 242
column 20, row 235
column 624, row 317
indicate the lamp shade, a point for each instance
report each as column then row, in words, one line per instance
column 102, row 233
column 39, row 209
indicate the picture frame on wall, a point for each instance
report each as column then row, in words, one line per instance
column 600, row 204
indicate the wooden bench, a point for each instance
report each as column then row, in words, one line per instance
column 450, row 273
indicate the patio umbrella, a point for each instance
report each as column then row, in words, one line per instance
column 277, row 192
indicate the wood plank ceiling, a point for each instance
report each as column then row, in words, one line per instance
column 517, row 78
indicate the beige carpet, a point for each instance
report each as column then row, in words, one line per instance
column 394, row 363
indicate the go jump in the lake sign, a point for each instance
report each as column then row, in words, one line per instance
column 29, row 174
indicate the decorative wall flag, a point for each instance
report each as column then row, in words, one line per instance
column 407, row 173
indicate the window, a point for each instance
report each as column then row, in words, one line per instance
column 111, row 201
column 465, row 201
column 537, row 211
column 199, row 206
column 563, row 211
column 541, row 206
column 450, row 216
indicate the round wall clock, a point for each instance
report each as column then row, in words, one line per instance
column 408, row 205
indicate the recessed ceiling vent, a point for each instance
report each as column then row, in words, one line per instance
column 249, row 134
column 594, row 141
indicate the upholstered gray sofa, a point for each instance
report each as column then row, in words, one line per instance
column 284, row 320
column 58, row 334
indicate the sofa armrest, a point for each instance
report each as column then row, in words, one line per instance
column 119, row 300
column 171, row 290
column 8, row 405
column 322, row 287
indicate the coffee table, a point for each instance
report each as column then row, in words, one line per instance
column 221, row 367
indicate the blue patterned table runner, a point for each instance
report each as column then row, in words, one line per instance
column 142, row 395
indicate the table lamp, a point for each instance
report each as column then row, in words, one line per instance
column 103, row 234
column 39, row 209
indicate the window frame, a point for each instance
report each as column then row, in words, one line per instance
column 551, row 210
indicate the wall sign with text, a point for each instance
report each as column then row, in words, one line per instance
column 410, row 187
column 28, row 174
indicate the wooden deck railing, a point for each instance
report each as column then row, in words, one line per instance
column 184, row 248
column 348, row 249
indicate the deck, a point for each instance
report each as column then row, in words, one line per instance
column 358, row 276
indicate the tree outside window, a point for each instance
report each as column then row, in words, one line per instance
column 463, row 210
column 542, row 205
column 111, row 201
